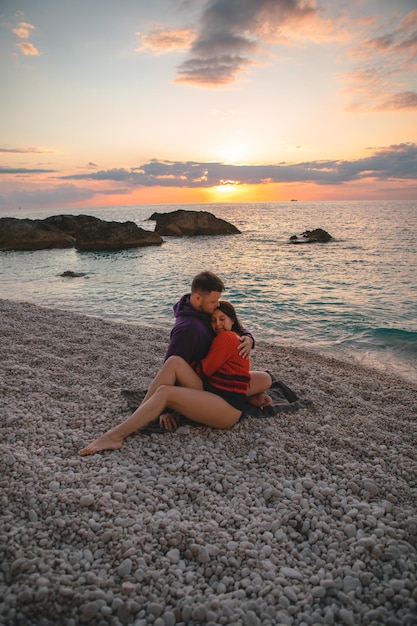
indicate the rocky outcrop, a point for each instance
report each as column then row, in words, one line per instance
column 72, row 274
column 115, row 236
column 67, row 231
column 72, row 224
column 26, row 234
column 87, row 233
column 318, row 235
column 182, row 223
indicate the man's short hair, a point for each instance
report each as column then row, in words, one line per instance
column 206, row 282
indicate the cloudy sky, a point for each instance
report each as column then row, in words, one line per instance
column 170, row 101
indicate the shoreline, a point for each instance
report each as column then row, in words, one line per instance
column 308, row 513
column 389, row 368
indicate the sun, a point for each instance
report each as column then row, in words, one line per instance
column 226, row 191
column 226, row 188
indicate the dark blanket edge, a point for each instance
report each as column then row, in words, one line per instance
column 284, row 400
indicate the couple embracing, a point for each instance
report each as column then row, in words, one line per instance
column 206, row 375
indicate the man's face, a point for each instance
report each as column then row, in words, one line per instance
column 209, row 301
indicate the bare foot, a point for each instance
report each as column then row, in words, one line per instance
column 260, row 400
column 105, row 442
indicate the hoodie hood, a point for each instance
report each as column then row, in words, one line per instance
column 191, row 335
column 183, row 308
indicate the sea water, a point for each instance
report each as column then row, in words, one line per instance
column 354, row 298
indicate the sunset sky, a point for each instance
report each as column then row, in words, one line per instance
column 124, row 102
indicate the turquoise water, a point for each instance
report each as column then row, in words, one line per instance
column 355, row 298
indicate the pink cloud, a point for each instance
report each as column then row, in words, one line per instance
column 23, row 30
column 385, row 63
column 25, row 150
column 406, row 100
column 162, row 41
column 28, row 49
column 229, row 35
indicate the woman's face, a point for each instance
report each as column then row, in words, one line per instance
column 220, row 321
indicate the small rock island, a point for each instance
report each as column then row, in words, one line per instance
column 87, row 233
column 68, row 231
column 182, row 223
column 318, row 235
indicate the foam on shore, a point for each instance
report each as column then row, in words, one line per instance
column 309, row 517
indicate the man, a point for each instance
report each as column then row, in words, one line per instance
column 192, row 334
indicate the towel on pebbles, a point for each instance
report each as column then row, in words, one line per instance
column 284, row 399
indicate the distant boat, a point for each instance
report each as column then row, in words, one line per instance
column 294, row 200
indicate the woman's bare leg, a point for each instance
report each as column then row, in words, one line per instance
column 113, row 438
column 259, row 383
column 198, row 405
column 175, row 371
column 202, row 407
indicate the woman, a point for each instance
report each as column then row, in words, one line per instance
column 259, row 381
column 214, row 395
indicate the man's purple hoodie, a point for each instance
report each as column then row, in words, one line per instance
column 191, row 335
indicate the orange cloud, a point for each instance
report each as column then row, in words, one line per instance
column 23, row 30
column 163, row 41
column 392, row 162
column 28, row 49
column 303, row 24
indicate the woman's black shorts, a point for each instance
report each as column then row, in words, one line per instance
column 236, row 400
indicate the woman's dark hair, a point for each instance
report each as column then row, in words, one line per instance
column 229, row 310
column 206, row 282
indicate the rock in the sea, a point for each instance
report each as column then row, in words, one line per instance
column 191, row 223
column 115, row 236
column 72, row 274
column 318, row 235
column 26, row 234
column 71, row 224
column 66, row 231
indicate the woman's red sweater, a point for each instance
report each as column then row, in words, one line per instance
column 223, row 367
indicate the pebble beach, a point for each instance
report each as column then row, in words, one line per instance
column 307, row 518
